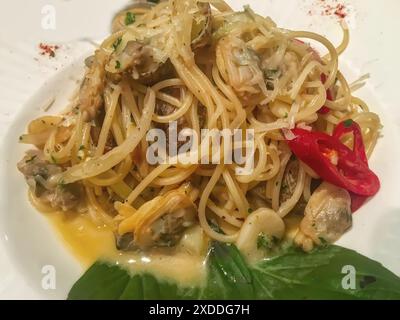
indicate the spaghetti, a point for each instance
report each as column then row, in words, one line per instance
column 205, row 66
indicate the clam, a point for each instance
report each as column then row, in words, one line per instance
column 91, row 93
column 160, row 222
column 138, row 57
column 38, row 173
column 327, row 216
column 243, row 68
column 289, row 183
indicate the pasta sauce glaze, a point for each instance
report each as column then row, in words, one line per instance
column 88, row 243
column 186, row 264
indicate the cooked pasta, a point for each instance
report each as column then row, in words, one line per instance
column 204, row 66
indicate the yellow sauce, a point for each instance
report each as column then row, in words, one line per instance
column 86, row 241
column 89, row 243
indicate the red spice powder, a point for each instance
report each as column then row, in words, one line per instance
column 49, row 50
column 341, row 11
column 330, row 8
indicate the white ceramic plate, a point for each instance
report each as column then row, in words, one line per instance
column 28, row 80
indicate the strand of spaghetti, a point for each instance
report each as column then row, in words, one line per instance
column 360, row 103
column 277, row 183
column 302, row 77
column 315, row 104
column 370, row 127
column 216, row 97
column 117, row 129
column 224, row 88
column 342, row 103
column 175, row 82
column 79, row 135
column 177, row 114
column 84, row 145
column 98, row 165
column 66, row 151
column 146, row 182
column 273, row 168
column 98, row 211
column 194, row 117
column 177, row 178
column 202, row 209
column 126, row 118
column 237, row 194
column 345, row 40
column 159, row 94
column 49, row 147
column 261, row 163
column 129, row 101
column 224, row 214
column 111, row 177
column 333, row 62
column 111, row 102
column 233, row 99
column 260, row 127
column 195, row 85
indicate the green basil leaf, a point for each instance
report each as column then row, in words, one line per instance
column 291, row 275
column 318, row 275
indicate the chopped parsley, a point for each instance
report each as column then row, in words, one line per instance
column 117, row 65
column 82, row 147
column 54, row 160
column 20, row 138
column 130, row 18
column 250, row 210
column 117, row 43
column 271, row 74
column 266, row 242
column 270, row 85
column 286, row 115
column 348, row 123
column 61, row 184
column 153, row 1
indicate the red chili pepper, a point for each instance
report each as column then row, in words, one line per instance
column 335, row 163
column 349, row 126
